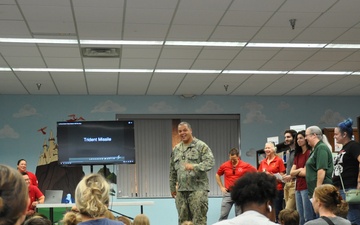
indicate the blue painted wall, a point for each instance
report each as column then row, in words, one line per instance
column 261, row 117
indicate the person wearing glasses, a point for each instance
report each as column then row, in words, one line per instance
column 35, row 195
column 274, row 165
column 232, row 170
column 347, row 165
column 319, row 167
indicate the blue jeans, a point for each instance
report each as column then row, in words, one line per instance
column 304, row 206
column 226, row 205
column 354, row 210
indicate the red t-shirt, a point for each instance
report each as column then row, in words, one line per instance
column 231, row 173
column 33, row 178
column 299, row 161
column 275, row 166
column 34, row 195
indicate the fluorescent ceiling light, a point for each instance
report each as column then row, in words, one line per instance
column 4, row 69
column 321, row 72
column 285, row 45
column 343, row 46
column 206, row 43
column 46, row 70
column 355, row 73
column 38, row 41
column 253, row 72
column 120, row 42
column 119, row 70
column 186, row 71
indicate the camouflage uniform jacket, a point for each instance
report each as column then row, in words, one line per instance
column 200, row 156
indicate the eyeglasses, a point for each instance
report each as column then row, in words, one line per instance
column 309, row 134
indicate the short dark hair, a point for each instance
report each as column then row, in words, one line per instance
column 20, row 161
column 234, row 151
column 254, row 187
column 346, row 126
column 292, row 132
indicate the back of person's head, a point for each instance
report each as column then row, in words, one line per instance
column 71, row 218
column 289, row 217
column 187, row 223
column 346, row 127
column 331, row 199
column 254, row 188
column 13, row 196
column 37, row 220
column 141, row 219
column 124, row 219
column 92, row 195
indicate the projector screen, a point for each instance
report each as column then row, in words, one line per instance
column 96, row 142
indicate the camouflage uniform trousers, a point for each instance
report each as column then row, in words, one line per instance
column 192, row 206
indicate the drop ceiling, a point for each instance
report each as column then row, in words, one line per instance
column 29, row 68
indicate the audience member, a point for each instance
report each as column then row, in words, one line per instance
column 35, row 195
column 319, row 166
column 190, row 161
column 273, row 164
column 232, row 170
column 289, row 217
column 347, row 165
column 71, row 218
column 289, row 187
column 125, row 220
column 256, row 194
column 328, row 203
column 92, row 199
column 13, row 197
column 303, row 204
column 37, row 220
column 141, row 219
column 21, row 167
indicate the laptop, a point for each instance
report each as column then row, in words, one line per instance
column 53, row 196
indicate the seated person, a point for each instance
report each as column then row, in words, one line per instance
column 35, row 195
column 289, row 217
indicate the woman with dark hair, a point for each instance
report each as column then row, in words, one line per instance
column 347, row 165
column 328, row 203
column 303, row 204
column 255, row 193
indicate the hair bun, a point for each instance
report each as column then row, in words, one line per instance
column 348, row 122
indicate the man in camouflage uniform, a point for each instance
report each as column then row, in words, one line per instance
column 190, row 161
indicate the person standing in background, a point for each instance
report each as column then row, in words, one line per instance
column 190, row 161
column 35, row 195
column 319, row 167
column 273, row 164
column 289, row 187
column 347, row 165
column 302, row 153
column 232, row 170
column 21, row 167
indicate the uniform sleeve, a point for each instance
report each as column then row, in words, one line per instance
column 207, row 159
column 38, row 193
column 282, row 168
column 173, row 174
column 221, row 170
column 321, row 158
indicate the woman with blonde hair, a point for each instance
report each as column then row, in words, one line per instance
column 141, row 219
column 14, row 197
column 92, row 199
column 328, row 203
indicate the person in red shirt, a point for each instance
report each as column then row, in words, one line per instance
column 274, row 165
column 21, row 167
column 232, row 170
column 35, row 195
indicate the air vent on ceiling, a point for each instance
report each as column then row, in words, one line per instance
column 101, row 52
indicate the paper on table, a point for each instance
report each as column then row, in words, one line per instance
column 279, row 177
